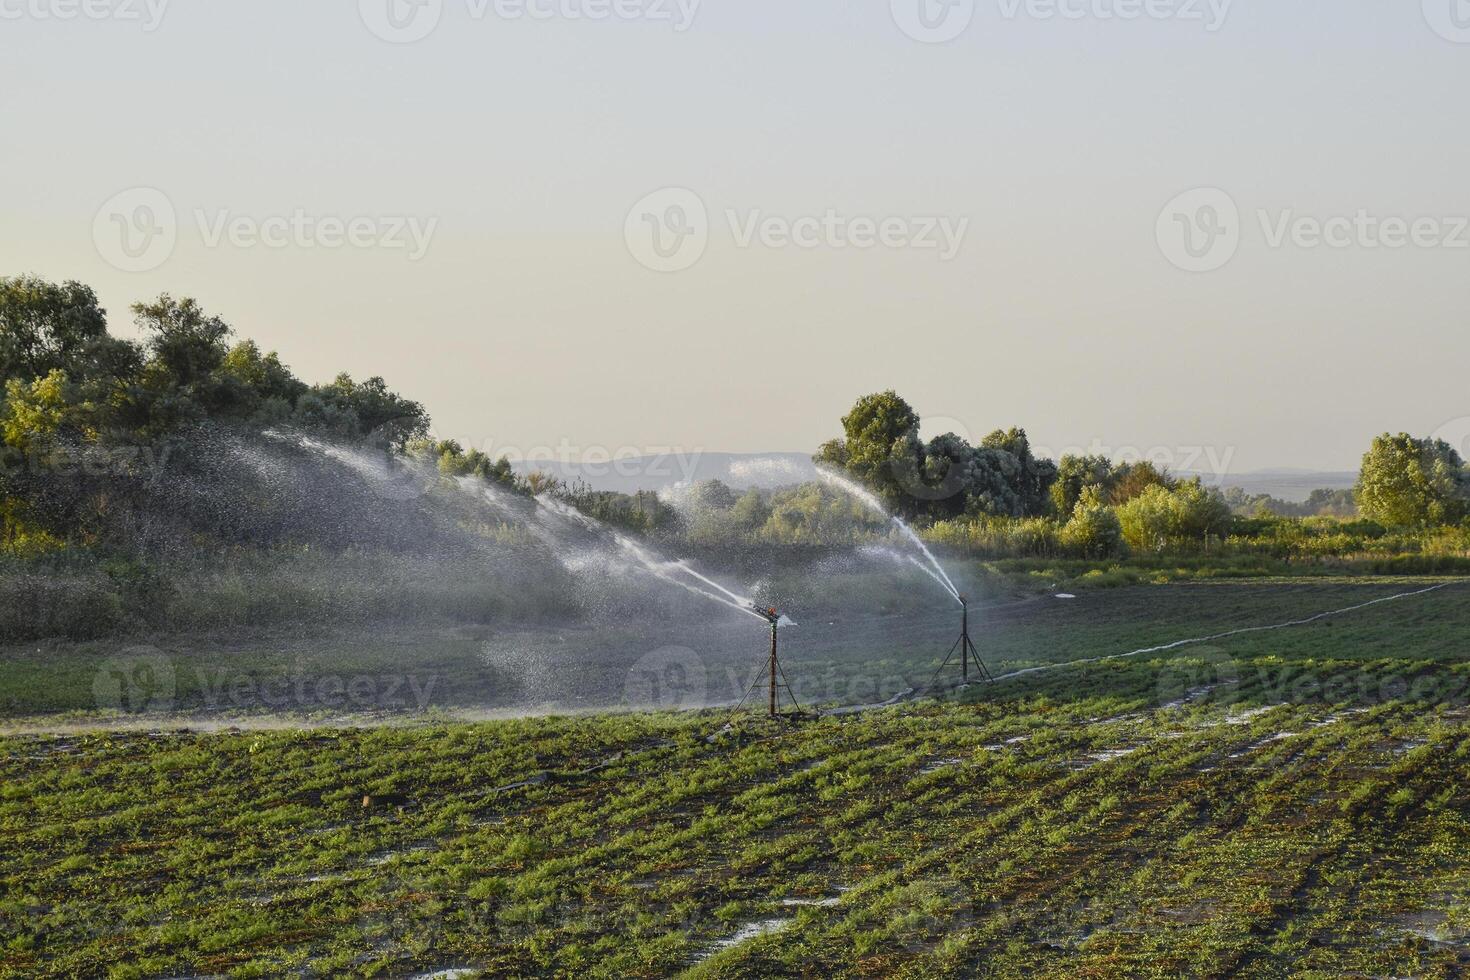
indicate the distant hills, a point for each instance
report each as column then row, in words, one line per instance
column 1283, row 484
column 766, row 470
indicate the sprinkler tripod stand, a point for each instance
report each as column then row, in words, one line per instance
column 772, row 673
column 966, row 648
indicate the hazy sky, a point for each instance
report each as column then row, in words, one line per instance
column 516, row 147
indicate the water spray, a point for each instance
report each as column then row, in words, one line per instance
column 934, row 570
column 964, row 645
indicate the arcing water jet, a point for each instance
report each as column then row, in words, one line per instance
column 964, row 645
column 863, row 496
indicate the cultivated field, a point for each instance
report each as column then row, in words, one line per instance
column 1274, row 803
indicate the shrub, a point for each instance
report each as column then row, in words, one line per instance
column 1094, row 530
column 1160, row 516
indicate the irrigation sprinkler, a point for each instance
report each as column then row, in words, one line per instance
column 772, row 673
column 966, row 648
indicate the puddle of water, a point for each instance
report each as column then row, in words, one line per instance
column 1246, row 717
column 747, row 932
column 1340, row 716
column 939, row 764
column 1278, row 737
column 1107, row 755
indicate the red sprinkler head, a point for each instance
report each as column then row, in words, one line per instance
column 770, row 614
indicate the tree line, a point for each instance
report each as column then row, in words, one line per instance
column 74, row 395
column 1095, row 507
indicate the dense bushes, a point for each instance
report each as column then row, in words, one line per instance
column 1094, row 530
column 1162, row 516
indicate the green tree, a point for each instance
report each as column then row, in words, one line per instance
column 1408, row 482
column 1132, row 479
column 1147, row 519
column 185, row 343
column 1160, row 516
column 263, row 374
column 1029, row 478
column 1199, row 512
column 946, row 477
column 751, row 511
column 1075, row 474
column 37, row 414
column 711, row 495
column 1094, row 530
column 882, row 443
column 46, row 327
column 376, row 413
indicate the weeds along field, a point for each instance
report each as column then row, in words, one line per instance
column 1292, row 802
